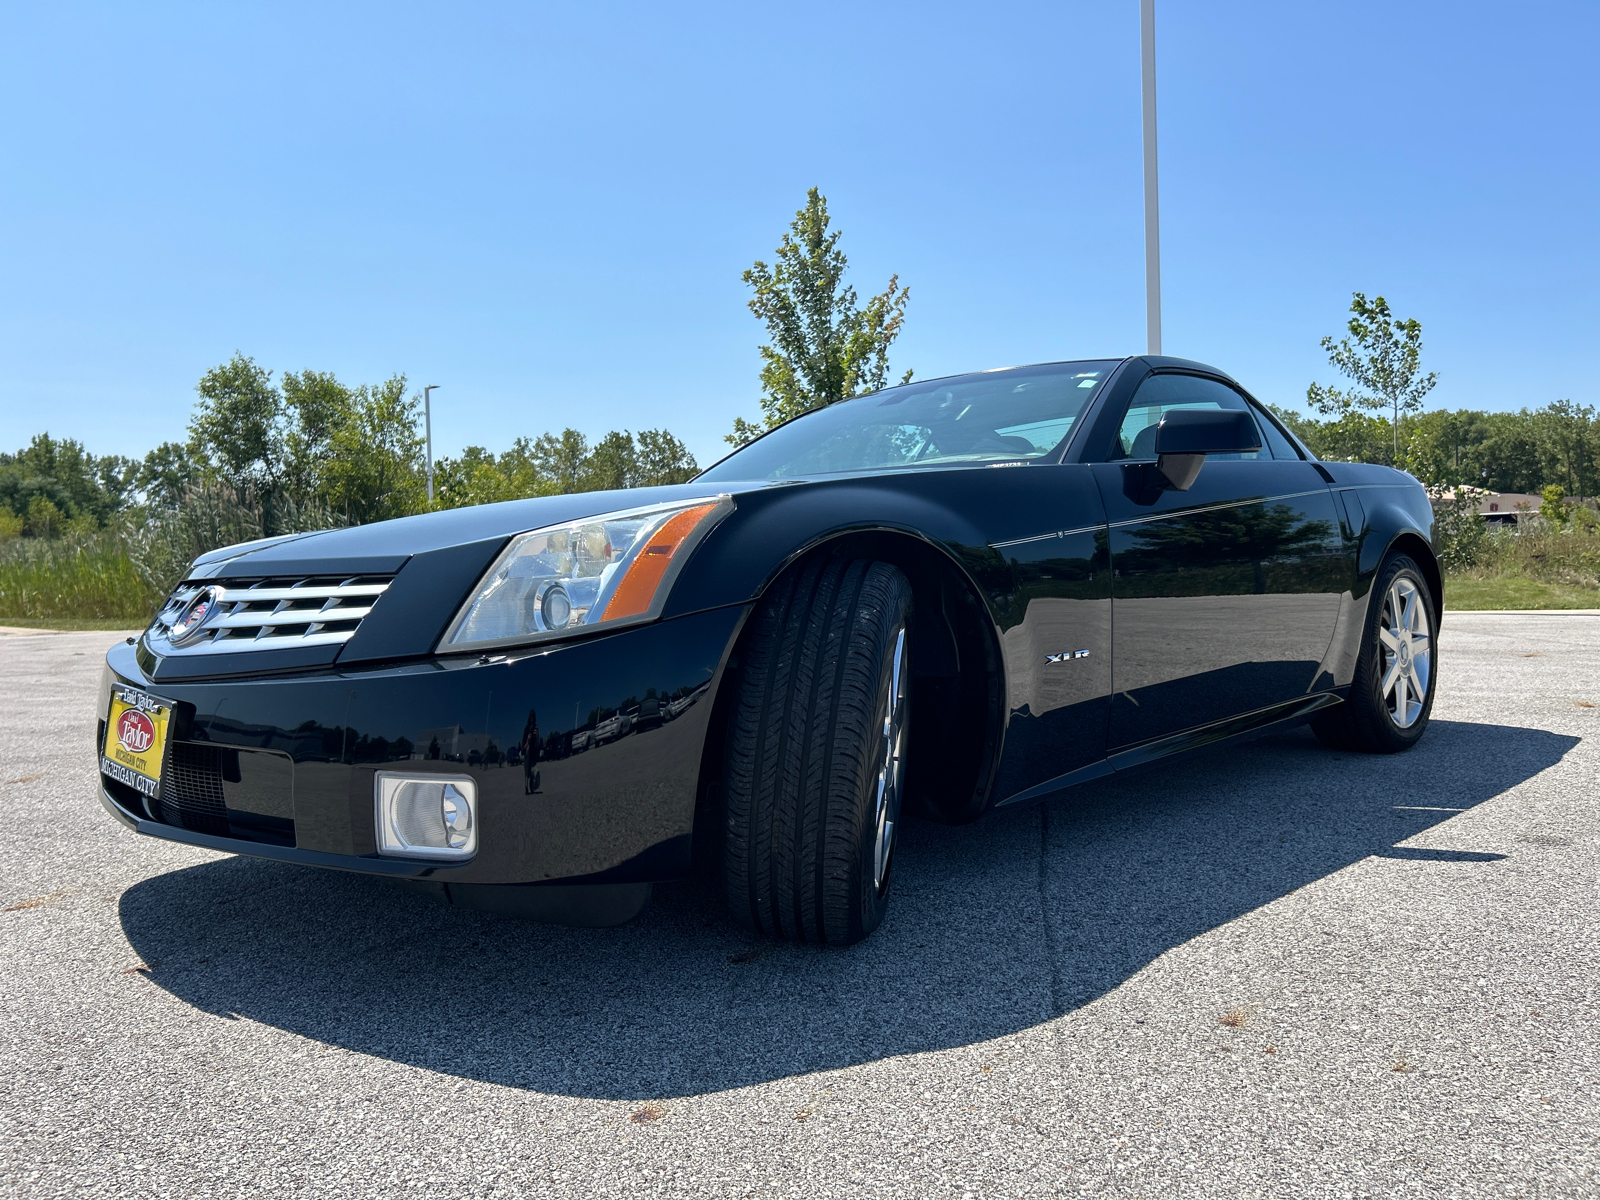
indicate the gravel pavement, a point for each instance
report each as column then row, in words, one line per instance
column 1269, row 970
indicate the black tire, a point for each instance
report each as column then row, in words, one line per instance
column 1367, row 720
column 806, row 750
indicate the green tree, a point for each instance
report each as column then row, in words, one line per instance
column 44, row 519
column 237, row 430
column 556, row 464
column 663, row 459
column 524, row 468
column 561, row 461
column 473, row 478
column 1443, row 449
column 612, row 464
column 80, row 488
column 1567, row 437
column 1553, row 506
column 825, row 347
column 317, row 406
column 1354, row 436
column 1384, row 360
column 374, row 468
column 167, row 474
column 1509, row 458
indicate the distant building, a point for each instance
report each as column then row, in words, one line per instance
column 1508, row 508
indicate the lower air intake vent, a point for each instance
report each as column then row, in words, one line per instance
column 264, row 614
column 191, row 789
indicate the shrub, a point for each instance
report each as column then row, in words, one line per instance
column 1460, row 532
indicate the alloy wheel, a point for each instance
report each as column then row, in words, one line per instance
column 892, row 770
column 1407, row 645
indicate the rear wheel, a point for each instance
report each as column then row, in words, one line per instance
column 815, row 763
column 1391, row 694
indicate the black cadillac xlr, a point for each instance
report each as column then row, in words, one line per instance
column 932, row 600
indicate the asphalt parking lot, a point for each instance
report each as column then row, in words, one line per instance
column 1265, row 971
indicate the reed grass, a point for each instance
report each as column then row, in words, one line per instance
column 85, row 577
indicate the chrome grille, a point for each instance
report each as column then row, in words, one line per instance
column 270, row 614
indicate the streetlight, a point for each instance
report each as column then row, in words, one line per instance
column 1152, row 220
column 427, row 425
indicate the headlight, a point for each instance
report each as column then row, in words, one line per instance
column 611, row 570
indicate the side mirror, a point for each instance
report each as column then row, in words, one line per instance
column 1186, row 435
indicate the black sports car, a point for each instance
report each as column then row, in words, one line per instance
column 932, row 600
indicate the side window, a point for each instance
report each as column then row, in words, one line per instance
column 1275, row 440
column 1161, row 394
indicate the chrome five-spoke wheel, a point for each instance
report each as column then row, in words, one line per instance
column 1407, row 647
column 891, row 773
column 1391, row 689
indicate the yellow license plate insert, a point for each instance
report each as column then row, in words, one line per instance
column 136, row 739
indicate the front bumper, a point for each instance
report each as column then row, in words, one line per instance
column 554, row 806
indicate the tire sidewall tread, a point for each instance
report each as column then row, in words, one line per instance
column 801, row 760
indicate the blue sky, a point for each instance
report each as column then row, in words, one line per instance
column 546, row 209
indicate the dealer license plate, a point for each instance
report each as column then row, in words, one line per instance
column 136, row 738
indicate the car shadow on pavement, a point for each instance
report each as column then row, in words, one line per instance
column 995, row 927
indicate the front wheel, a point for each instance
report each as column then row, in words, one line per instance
column 815, row 764
column 1391, row 694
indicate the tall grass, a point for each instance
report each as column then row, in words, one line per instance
column 1564, row 551
column 124, row 572
column 1569, row 557
column 1565, row 557
column 77, row 578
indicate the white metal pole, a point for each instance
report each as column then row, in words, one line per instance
column 1152, row 205
column 427, row 425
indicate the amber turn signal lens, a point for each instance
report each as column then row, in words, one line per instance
column 637, row 589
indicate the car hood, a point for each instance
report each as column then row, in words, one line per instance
column 385, row 545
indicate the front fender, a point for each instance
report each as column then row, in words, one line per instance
column 960, row 513
column 1388, row 511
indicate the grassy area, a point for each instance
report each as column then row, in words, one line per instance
column 1464, row 592
column 66, row 582
column 71, row 625
column 1538, row 568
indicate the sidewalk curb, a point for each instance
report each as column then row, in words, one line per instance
column 1521, row 612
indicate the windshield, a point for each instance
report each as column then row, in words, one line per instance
column 1014, row 415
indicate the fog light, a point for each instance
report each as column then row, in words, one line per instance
column 427, row 816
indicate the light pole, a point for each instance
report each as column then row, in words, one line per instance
column 427, row 426
column 1152, row 206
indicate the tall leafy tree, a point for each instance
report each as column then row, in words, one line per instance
column 612, row 464
column 825, row 346
column 317, row 406
column 166, row 474
column 1569, row 438
column 662, row 459
column 237, row 428
column 61, row 484
column 473, row 478
column 560, row 460
column 374, row 469
column 1382, row 357
column 550, row 465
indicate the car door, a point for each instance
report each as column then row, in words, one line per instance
column 1055, row 632
column 1224, row 596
